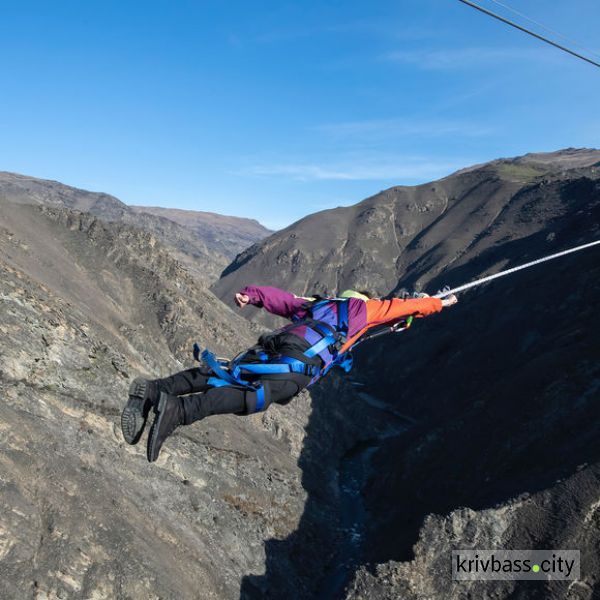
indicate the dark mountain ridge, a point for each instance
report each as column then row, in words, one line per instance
column 404, row 236
column 500, row 446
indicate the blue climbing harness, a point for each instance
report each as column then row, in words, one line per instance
column 325, row 329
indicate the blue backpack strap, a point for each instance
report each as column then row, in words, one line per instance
column 321, row 345
column 329, row 337
column 283, row 364
column 343, row 317
column 260, row 399
column 257, row 399
column 216, row 382
column 297, row 366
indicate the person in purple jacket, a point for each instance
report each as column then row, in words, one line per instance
column 320, row 335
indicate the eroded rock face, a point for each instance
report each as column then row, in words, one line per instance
column 504, row 394
column 85, row 307
column 565, row 516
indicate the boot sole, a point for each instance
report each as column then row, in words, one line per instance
column 132, row 417
column 152, row 451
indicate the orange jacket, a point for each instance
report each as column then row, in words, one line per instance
column 389, row 312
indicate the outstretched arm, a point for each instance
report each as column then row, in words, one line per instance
column 276, row 301
column 391, row 311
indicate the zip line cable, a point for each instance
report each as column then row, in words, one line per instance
column 528, row 31
column 467, row 286
column 548, row 29
column 404, row 325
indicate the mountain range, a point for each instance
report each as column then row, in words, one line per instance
column 205, row 242
column 476, row 428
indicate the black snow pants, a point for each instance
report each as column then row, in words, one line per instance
column 201, row 400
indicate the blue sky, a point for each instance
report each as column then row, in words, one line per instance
column 277, row 109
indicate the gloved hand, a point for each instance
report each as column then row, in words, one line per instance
column 449, row 300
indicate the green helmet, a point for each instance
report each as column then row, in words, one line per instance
column 353, row 294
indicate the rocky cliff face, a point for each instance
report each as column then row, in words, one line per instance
column 204, row 242
column 87, row 305
column 504, row 450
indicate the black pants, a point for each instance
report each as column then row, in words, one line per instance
column 201, row 400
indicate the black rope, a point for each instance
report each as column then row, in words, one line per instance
column 528, row 31
column 548, row 29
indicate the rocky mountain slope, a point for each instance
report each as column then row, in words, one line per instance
column 500, row 445
column 404, row 236
column 204, row 242
column 85, row 306
column 224, row 234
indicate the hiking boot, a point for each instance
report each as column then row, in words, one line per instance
column 169, row 416
column 142, row 395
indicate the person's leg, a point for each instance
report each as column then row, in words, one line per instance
column 145, row 393
column 283, row 390
column 230, row 400
column 215, row 401
column 171, row 411
column 190, row 381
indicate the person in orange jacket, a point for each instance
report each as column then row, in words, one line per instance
column 283, row 363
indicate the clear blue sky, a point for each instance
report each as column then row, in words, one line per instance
column 276, row 109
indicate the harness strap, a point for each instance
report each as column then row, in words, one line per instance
column 330, row 336
column 260, row 398
column 210, row 361
column 281, row 367
column 326, row 346
column 343, row 317
column 260, row 392
column 222, row 377
column 321, row 345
